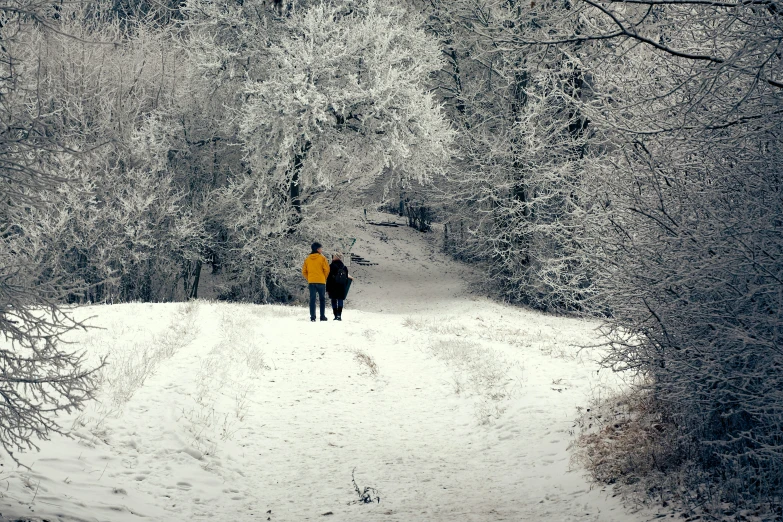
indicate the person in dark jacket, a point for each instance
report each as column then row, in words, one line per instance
column 337, row 285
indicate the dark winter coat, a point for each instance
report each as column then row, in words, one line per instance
column 335, row 290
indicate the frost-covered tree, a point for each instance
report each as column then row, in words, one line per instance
column 513, row 202
column 334, row 96
column 124, row 228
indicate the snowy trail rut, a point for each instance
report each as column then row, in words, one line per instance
column 262, row 415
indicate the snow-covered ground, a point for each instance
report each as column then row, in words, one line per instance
column 444, row 406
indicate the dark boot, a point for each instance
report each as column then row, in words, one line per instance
column 334, row 311
column 339, row 314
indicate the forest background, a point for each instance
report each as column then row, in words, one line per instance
column 616, row 159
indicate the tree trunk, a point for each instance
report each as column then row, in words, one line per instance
column 196, row 278
column 520, row 192
column 295, row 189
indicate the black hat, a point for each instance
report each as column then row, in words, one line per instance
column 316, row 246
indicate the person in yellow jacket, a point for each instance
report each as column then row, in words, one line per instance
column 316, row 269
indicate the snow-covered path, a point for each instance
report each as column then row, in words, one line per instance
column 254, row 413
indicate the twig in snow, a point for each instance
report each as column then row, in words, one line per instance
column 366, row 494
column 36, row 491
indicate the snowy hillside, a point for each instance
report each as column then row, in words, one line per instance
column 429, row 404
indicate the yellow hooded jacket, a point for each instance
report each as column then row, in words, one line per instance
column 315, row 268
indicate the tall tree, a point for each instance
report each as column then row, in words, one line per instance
column 335, row 94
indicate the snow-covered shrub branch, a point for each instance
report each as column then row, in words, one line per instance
column 693, row 278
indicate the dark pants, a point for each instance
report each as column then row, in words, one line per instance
column 320, row 289
column 337, row 307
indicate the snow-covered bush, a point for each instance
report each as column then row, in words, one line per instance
column 694, row 280
column 625, row 440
